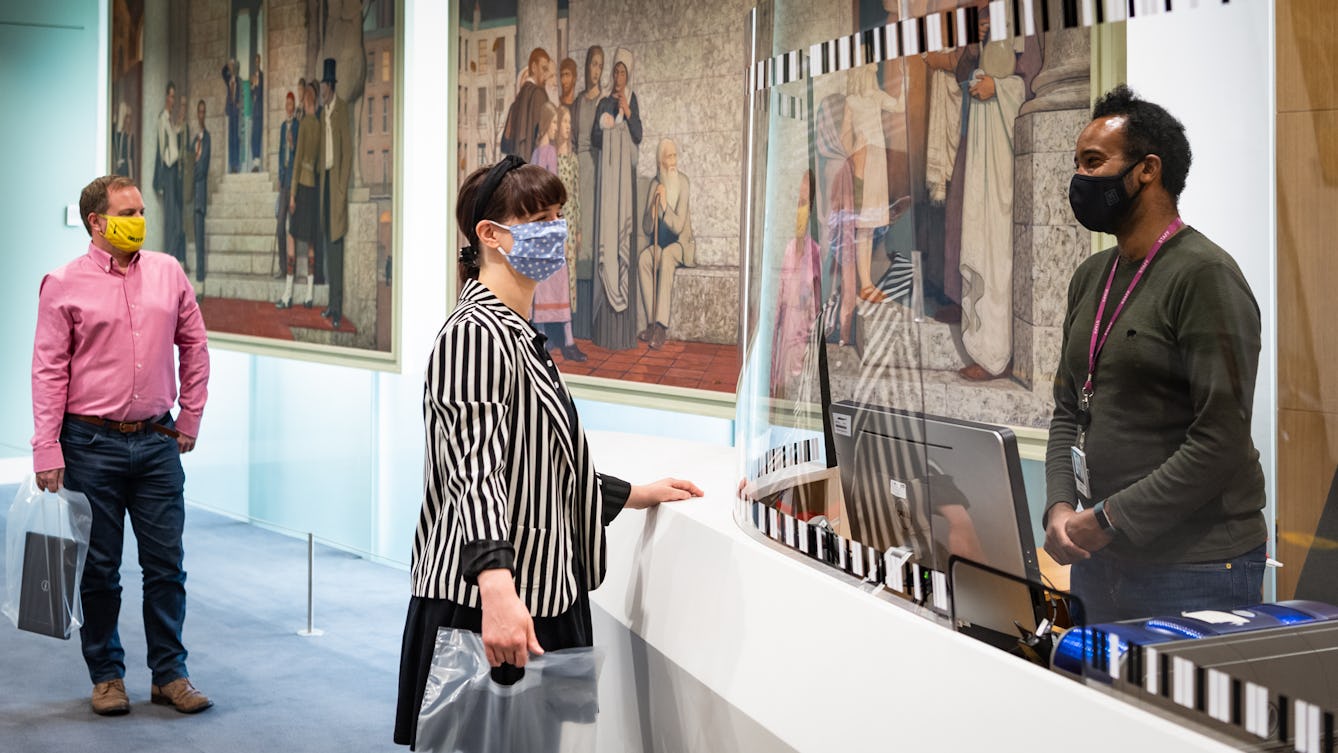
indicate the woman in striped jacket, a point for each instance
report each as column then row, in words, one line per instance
column 511, row 537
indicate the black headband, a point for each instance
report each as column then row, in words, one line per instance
column 469, row 255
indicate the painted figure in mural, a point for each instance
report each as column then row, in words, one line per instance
column 545, row 151
column 587, row 158
column 232, row 108
column 287, row 152
column 521, row 132
column 863, row 133
column 552, row 296
column 668, row 223
column 995, row 95
column 335, row 167
column 257, row 113
column 567, row 76
column 301, row 98
column 123, row 144
column 168, row 174
column 202, row 150
column 302, row 199
column 797, row 307
column 837, row 219
column 186, row 176
column 569, row 173
column 103, row 426
column 1173, row 500
column 616, row 134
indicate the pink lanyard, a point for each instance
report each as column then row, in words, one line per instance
column 1095, row 349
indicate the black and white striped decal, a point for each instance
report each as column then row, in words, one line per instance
column 951, row 29
column 787, row 455
column 1224, row 698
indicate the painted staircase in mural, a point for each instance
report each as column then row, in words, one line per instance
column 242, row 248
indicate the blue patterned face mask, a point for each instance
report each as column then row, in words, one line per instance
column 539, row 248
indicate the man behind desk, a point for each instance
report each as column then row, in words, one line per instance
column 103, row 388
column 1153, row 396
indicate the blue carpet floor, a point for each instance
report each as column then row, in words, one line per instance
column 274, row 690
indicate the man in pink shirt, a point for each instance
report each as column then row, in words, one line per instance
column 103, row 389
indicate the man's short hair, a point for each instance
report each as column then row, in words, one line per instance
column 1149, row 129
column 94, row 198
column 171, row 87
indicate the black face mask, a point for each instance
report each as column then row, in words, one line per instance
column 1100, row 202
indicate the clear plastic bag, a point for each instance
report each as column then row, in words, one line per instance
column 552, row 709
column 46, row 541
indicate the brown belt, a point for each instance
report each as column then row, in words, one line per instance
column 127, row 427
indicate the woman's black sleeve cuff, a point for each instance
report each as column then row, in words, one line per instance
column 486, row 554
column 615, row 494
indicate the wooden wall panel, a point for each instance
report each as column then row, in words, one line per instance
column 1308, row 454
column 1308, row 260
column 1307, row 275
column 1307, row 57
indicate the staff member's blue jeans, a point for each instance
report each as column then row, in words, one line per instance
column 139, row 474
column 1113, row 589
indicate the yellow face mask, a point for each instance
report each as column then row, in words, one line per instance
column 125, row 233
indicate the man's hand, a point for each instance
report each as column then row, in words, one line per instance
column 1083, row 530
column 664, row 490
column 508, row 628
column 660, row 196
column 185, row 442
column 51, row 480
column 983, row 89
column 1057, row 542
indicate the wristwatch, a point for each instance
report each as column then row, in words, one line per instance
column 1102, row 519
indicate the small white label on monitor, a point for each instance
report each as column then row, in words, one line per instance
column 897, row 488
column 841, row 423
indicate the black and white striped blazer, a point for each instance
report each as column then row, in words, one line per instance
column 506, row 461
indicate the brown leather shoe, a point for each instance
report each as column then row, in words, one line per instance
column 109, row 698
column 181, row 695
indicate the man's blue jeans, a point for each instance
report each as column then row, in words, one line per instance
column 140, row 474
column 1113, row 589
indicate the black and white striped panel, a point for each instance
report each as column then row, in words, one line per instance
column 1307, row 727
column 955, row 28
column 786, row 455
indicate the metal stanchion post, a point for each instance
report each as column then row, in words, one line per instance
column 311, row 569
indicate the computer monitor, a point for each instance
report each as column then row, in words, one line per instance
column 936, row 486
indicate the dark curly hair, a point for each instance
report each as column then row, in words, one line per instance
column 1149, row 129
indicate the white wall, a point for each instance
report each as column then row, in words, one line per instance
column 1212, row 67
column 53, row 60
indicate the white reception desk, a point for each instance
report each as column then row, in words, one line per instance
column 751, row 648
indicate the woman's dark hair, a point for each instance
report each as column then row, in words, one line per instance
column 1149, row 129
column 522, row 191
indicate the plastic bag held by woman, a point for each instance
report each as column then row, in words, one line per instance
column 553, row 707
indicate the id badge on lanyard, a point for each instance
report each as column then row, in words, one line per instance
column 1078, row 453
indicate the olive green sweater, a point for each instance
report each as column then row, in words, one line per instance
column 1169, row 445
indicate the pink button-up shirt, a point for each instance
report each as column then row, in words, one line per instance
column 104, row 346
